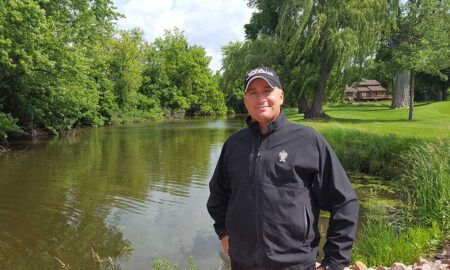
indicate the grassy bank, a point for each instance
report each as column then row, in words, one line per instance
column 430, row 119
column 370, row 138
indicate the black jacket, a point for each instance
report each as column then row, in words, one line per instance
column 267, row 192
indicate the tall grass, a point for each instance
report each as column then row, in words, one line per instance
column 374, row 154
column 382, row 243
column 424, row 183
column 425, row 180
column 164, row 264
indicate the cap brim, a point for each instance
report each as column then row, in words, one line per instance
column 257, row 77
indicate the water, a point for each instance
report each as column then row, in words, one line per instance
column 132, row 194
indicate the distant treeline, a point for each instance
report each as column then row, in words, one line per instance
column 64, row 64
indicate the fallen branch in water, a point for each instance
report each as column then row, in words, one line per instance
column 3, row 149
column 62, row 264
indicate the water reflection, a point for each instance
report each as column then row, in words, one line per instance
column 130, row 193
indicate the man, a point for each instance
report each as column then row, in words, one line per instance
column 271, row 181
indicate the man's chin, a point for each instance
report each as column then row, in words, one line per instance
column 263, row 118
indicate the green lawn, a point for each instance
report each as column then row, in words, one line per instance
column 430, row 119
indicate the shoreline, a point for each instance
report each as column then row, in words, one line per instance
column 441, row 261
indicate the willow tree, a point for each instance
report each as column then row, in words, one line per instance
column 323, row 39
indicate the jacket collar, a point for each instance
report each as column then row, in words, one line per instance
column 272, row 126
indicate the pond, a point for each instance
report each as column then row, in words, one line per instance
column 119, row 196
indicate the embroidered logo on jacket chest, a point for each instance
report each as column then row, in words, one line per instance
column 282, row 156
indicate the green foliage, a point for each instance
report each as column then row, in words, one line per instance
column 264, row 20
column 126, row 65
column 177, row 75
column 164, row 264
column 382, row 243
column 7, row 125
column 426, row 182
column 369, row 153
column 323, row 39
column 417, row 41
column 45, row 66
column 159, row 264
column 424, row 37
column 64, row 65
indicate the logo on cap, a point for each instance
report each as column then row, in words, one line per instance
column 260, row 70
column 263, row 73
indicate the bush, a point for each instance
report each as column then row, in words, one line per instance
column 7, row 125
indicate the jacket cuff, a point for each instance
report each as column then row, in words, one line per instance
column 220, row 229
column 331, row 265
column 222, row 235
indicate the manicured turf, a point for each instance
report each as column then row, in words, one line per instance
column 430, row 119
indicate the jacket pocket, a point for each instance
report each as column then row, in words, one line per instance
column 307, row 222
column 285, row 222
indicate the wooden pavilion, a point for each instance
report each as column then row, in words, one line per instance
column 368, row 90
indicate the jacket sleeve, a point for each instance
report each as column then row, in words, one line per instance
column 334, row 193
column 220, row 192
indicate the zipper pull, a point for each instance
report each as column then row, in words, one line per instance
column 259, row 151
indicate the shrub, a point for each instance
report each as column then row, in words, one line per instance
column 7, row 125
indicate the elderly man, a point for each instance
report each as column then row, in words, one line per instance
column 270, row 183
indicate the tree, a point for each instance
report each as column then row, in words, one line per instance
column 48, row 51
column 424, row 41
column 127, row 65
column 177, row 76
column 326, row 37
column 264, row 20
column 400, row 97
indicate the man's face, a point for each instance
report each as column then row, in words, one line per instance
column 263, row 102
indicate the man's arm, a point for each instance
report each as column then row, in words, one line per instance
column 220, row 192
column 335, row 194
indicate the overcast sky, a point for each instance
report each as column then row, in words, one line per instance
column 208, row 23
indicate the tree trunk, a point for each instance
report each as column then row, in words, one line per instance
column 319, row 92
column 400, row 97
column 303, row 106
column 444, row 90
column 411, row 98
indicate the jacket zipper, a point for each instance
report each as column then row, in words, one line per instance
column 256, row 174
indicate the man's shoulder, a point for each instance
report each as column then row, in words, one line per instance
column 306, row 132
column 242, row 134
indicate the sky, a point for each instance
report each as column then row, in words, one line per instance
column 208, row 23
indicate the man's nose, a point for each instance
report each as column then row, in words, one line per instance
column 261, row 98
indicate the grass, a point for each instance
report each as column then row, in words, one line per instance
column 430, row 119
column 369, row 153
column 417, row 228
column 426, row 182
column 382, row 243
column 164, row 264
